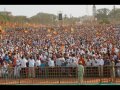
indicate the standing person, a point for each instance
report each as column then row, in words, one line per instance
column 14, row 61
column 80, row 72
column 17, row 68
column 94, row 62
column 59, row 60
column 73, row 64
column 1, row 60
column 101, row 65
column 74, row 61
column 43, row 59
column 38, row 64
column 112, row 71
column 62, row 60
column 88, row 64
column 106, row 61
column 118, row 68
column 5, row 69
column 67, row 60
column 82, row 59
column 23, row 62
column 31, row 67
column 6, row 58
column 51, row 63
column 88, row 61
column 68, row 64
column 115, row 58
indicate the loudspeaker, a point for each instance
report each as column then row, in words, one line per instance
column 60, row 16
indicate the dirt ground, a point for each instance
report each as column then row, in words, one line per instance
column 41, row 81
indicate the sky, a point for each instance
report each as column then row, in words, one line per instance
column 74, row 10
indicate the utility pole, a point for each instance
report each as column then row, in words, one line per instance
column 4, row 9
column 114, row 11
column 94, row 11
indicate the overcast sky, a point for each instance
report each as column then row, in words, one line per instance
column 74, row 10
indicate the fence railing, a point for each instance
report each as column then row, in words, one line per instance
column 59, row 75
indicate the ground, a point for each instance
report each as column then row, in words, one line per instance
column 41, row 81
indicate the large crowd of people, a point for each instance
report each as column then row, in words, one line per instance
column 65, row 45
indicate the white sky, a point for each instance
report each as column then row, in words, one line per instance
column 74, row 10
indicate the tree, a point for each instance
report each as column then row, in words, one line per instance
column 20, row 19
column 102, row 15
column 43, row 18
column 4, row 18
column 114, row 14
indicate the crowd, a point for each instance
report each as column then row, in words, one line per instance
column 66, row 45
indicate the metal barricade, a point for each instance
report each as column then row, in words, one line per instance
column 105, row 74
column 91, row 75
column 117, row 74
column 7, row 76
column 59, row 75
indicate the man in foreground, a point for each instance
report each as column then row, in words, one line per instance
column 80, row 72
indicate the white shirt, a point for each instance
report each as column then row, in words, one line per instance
column 43, row 57
column 88, row 63
column 23, row 62
column 68, row 62
column 74, row 61
column 2, row 56
column 104, row 50
column 46, row 53
column 116, row 50
column 101, row 62
column 94, row 62
column 59, row 61
column 51, row 63
column 118, row 64
column 82, row 52
column 31, row 62
column 5, row 68
column 110, row 46
column 17, row 62
column 38, row 62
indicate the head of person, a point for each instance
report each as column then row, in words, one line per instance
column 6, row 54
column 66, row 55
column 73, row 54
column 31, row 57
column 80, row 63
column 61, row 55
column 38, row 58
column 23, row 57
column 93, row 57
column 87, row 57
column 118, row 61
